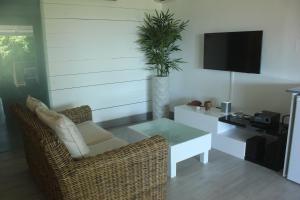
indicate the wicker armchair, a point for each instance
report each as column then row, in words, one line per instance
column 136, row 171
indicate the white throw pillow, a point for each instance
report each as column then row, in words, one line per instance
column 66, row 130
column 33, row 103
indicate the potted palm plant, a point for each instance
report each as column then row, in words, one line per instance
column 158, row 37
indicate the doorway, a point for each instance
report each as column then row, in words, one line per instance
column 18, row 77
column 22, row 64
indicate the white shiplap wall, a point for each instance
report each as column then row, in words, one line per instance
column 92, row 56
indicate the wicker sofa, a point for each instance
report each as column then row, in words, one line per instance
column 135, row 171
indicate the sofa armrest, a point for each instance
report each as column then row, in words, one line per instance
column 79, row 114
column 135, row 171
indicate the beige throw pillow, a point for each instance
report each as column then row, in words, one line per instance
column 33, row 103
column 66, row 130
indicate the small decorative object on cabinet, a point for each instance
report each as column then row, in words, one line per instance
column 208, row 105
column 226, row 107
column 195, row 103
column 157, row 39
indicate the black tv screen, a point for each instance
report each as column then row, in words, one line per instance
column 233, row 51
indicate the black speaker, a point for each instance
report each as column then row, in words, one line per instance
column 274, row 155
column 255, row 149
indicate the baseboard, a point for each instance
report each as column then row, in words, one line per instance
column 126, row 120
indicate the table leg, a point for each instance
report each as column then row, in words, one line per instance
column 172, row 169
column 172, row 165
column 204, row 157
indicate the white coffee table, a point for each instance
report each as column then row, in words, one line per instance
column 184, row 141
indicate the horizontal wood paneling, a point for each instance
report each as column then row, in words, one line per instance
column 93, row 58
column 77, row 26
column 69, row 39
column 136, row 4
column 102, row 96
column 121, row 111
column 76, row 66
column 92, row 79
column 67, row 54
column 55, row 11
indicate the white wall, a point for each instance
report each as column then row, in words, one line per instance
column 92, row 56
column 279, row 19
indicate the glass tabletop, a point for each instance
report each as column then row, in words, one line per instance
column 173, row 132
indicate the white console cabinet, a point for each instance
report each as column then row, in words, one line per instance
column 189, row 115
column 225, row 137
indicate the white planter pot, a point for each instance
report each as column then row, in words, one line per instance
column 160, row 97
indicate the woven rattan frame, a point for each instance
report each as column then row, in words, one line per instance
column 136, row 171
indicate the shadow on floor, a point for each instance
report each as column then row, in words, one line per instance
column 10, row 136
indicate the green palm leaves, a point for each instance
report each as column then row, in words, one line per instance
column 158, row 38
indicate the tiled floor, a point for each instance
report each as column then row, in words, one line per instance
column 4, row 142
column 223, row 178
column 10, row 138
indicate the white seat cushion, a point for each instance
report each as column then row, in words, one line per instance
column 33, row 103
column 92, row 133
column 66, row 130
column 108, row 145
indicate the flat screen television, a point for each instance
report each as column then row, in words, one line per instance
column 233, row 51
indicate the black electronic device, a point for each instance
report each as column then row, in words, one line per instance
column 266, row 153
column 267, row 119
column 233, row 51
column 274, row 154
column 255, row 149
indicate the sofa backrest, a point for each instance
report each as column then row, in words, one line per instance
column 42, row 142
column 33, row 130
